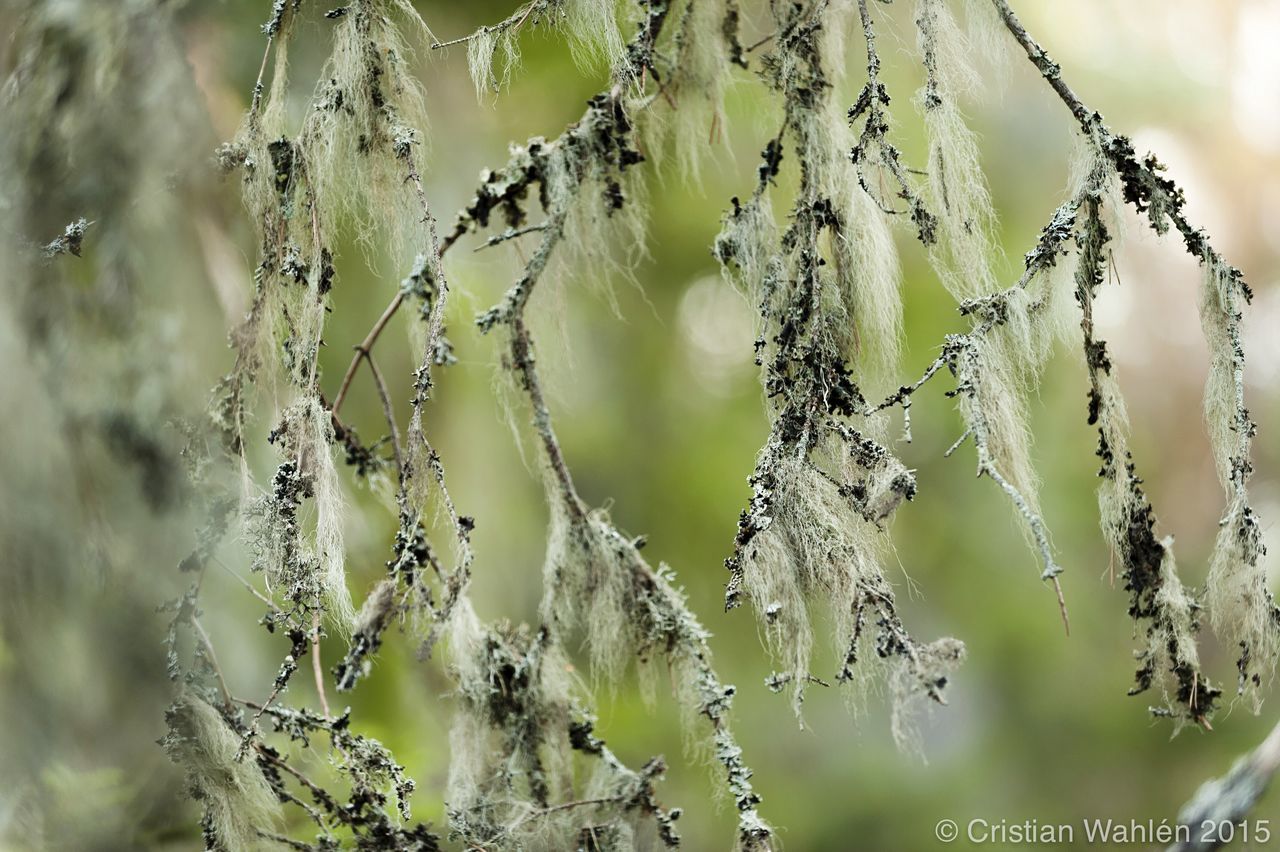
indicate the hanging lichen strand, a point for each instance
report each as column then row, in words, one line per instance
column 1241, row 607
column 595, row 580
column 822, row 488
column 817, row 477
column 354, row 157
column 956, row 183
column 1014, row 332
column 527, row 770
column 520, row 718
column 1157, row 598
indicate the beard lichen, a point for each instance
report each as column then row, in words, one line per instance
column 527, row 769
column 1242, row 608
column 1169, row 659
column 308, row 570
column 821, row 487
column 593, row 30
column 966, row 247
column 240, row 806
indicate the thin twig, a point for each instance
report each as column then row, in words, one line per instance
column 515, row 21
column 363, row 349
column 257, row 594
column 388, row 411
column 366, row 345
column 956, row 445
column 509, row 234
column 257, row 86
column 761, row 43
column 213, row 659
column 317, row 666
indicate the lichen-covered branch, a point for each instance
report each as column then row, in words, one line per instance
column 1157, row 597
column 874, row 148
column 527, row 768
column 1241, row 606
column 595, row 581
column 822, row 488
column 1228, row 800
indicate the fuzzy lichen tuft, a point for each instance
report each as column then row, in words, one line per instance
column 958, row 190
column 239, row 804
column 306, row 561
column 1241, row 606
column 690, row 116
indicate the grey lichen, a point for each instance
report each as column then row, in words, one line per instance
column 1145, row 186
column 698, row 68
column 70, row 241
column 1169, row 659
column 957, row 186
column 1222, row 803
column 528, row 770
column 1242, row 608
column 821, row 487
column 307, row 568
column 240, row 806
column 375, row 616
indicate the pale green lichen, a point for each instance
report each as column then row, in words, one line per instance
column 747, row 247
column 1004, row 368
column 592, row 586
column 867, row 262
column 815, row 547
column 1171, row 642
column 602, row 205
column 482, row 56
column 916, row 683
column 1242, row 608
column 513, row 740
column 813, row 536
column 987, row 38
column 330, row 510
column 304, row 561
column 958, row 191
column 1223, row 393
column 1158, row 602
column 595, row 31
column 864, row 308
column 509, row 744
column 700, row 72
column 239, row 804
column 367, row 117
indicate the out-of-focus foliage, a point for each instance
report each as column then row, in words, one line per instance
column 110, row 352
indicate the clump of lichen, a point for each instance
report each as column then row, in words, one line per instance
column 1169, row 659
column 957, row 185
column 1241, row 606
column 239, row 804
column 307, row 566
column 827, row 287
column 527, row 769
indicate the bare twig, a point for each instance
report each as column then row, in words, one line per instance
column 388, row 411
column 317, row 666
column 213, row 659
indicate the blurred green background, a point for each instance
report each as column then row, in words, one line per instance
column 659, row 411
